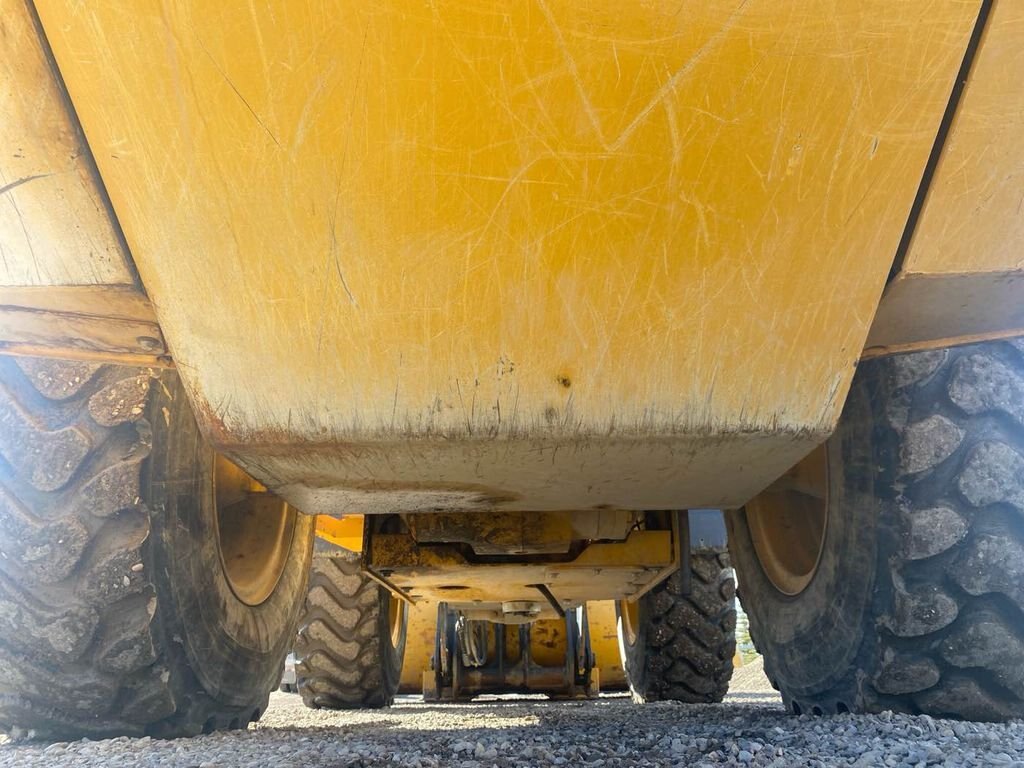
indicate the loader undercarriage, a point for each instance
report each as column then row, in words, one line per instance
column 515, row 568
column 514, row 592
column 474, row 657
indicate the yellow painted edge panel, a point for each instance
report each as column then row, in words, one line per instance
column 542, row 473
column 86, row 337
column 936, row 310
column 973, row 217
column 55, row 228
column 111, row 323
column 121, row 302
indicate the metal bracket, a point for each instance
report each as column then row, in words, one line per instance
column 707, row 529
column 693, row 530
column 549, row 596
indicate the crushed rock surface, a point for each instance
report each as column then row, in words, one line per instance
column 750, row 729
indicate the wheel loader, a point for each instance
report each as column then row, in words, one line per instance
column 519, row 286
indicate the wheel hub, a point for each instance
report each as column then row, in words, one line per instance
column 254, row 532
column 788, row 522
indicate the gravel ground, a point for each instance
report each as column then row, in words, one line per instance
column 750, row 729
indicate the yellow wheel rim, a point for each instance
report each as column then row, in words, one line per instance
column 788, row 522
column 254, row 532
column 629, row 615
column 396, row 618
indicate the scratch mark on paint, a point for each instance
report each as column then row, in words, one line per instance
column 344, row 282
column 677, row 77
column 334, row 250
column 700, row 210
column 332, row 253
column 344, row 161
column 21, row 221
column 516, row 178
column 574, row 71
column 238, row 93
column 15, row 184
column 673, row 132
column 503, row 179
column 311, row 100
column 394, row 402
column 462, row 404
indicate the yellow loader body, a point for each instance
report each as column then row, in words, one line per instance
column 544, row 256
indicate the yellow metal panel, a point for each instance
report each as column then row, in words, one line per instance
column 963, row 276
column 522, row 226
column 938, row 310
column 66, row 286
column 54, row 225
column 973, row 218
column 548, row 642
column 604, row 640
column 419, row 646
column 602, row 571
column 346, row 533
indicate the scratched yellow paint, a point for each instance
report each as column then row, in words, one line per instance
column 529, row 220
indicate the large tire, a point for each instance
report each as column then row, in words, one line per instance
column 351, row 638
column 678, row 646
column 917, row 601
column 115, row 613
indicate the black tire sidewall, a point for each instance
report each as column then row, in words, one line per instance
column 234, row 650
column 811, row 641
